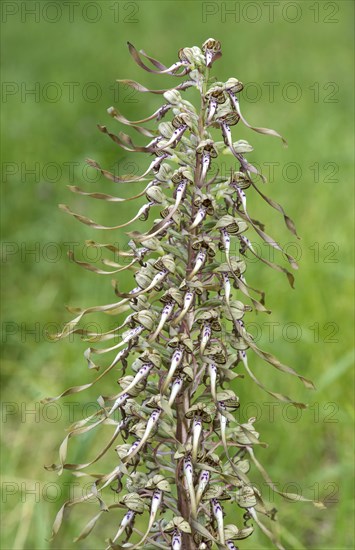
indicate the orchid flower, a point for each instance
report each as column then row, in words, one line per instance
column 127, row 520
column 201, row 214
column 200, row 260
column 153, row 419
column 188, row 299
column 118, row 403
column 157, row 279
column 166, row 314
column 155, row 505
column 175, row 362
column 176, row 388
column 212, row 50
column 206, row 162
column 180, row 190
column 141, row 374
column 175, row 138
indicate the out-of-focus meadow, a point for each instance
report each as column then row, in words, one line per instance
column 60, row 64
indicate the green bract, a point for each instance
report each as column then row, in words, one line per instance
column 178, row 452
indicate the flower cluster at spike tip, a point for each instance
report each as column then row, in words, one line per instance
column 181, row 451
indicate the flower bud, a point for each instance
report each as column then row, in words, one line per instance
column 173, row 97
column 233, row 85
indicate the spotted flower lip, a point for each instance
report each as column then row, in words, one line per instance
column 201, row 214
column 180, row 331
column 188, row 301
column 176, row 540
column 202, row 484
column 175, row 390
column 175, row 363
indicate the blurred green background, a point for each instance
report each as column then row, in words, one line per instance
column 60, row 62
